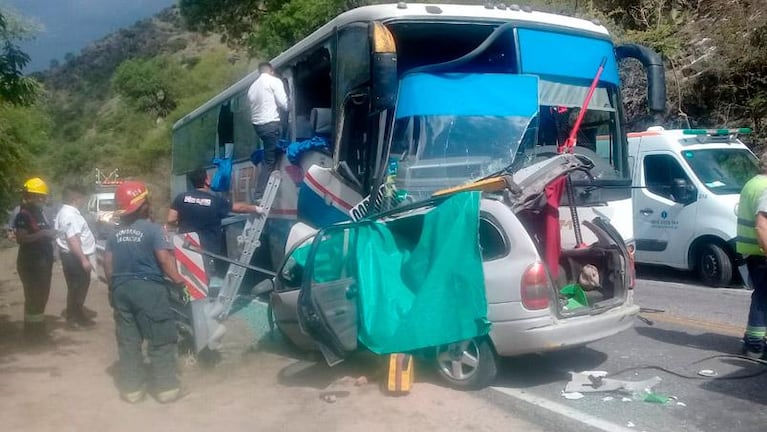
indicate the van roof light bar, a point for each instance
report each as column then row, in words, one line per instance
column 717, row 132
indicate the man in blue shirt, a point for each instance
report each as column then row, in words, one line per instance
column 200, row 210
column 137, row 260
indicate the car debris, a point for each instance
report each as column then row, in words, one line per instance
column 572, row 395
column 597, row 382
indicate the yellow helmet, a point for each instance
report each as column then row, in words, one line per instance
column 36, row 186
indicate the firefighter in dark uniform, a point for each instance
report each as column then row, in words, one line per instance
column 137, row 260
column 35, row 235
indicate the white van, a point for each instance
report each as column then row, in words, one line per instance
column 687, row 184
column 100, row 212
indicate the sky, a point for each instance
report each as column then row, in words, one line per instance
column 70, row 25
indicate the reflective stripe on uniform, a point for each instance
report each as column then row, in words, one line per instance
column 747, row 240
column 756, row 332
column 34, row 318
column 745, row 222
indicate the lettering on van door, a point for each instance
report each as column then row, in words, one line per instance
column 664, row 222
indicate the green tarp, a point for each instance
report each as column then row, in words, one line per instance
column 419, row 278
column 426, row 291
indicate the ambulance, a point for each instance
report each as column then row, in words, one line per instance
column 686, row 186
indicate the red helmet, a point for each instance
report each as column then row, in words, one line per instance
column 130, row 195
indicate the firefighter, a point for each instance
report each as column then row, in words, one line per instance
column 138, row 257
column 35, row 236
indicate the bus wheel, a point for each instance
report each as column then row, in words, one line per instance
column 714, row 265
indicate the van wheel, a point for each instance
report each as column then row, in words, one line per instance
column 467, row 365
column 714, row 265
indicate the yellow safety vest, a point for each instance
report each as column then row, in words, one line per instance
column 747, row 242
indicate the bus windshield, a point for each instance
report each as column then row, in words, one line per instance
column 454, row 128
column 724, row 170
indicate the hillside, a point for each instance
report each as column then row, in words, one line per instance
column 96, row 122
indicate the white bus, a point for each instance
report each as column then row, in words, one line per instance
column 351, row 84
column 342, row 73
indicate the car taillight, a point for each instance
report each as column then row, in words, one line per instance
column 632, row 264
column 535, row 287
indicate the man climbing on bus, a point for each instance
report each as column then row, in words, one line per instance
column 267, row 98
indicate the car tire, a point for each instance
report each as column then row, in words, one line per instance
column 467, row 365
column 714, row 265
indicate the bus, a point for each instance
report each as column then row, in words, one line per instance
column 366, row 110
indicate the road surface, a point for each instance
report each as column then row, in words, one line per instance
column 259, row 385
column 689, row 323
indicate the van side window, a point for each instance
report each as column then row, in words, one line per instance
column 659, row 172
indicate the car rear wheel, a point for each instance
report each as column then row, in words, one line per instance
column 467, row 365
column 714, row 265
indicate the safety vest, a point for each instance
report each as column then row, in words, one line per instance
column 747, row 242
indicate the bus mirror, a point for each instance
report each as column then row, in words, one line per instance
column 656, row 73
column 383, row 40
column 384, row 67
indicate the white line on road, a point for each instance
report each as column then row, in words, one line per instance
column 563, row 410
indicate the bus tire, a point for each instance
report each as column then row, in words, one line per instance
column 714, row 265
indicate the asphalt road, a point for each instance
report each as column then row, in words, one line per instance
column 687, row 324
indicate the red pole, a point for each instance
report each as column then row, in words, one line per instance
column 570, row 143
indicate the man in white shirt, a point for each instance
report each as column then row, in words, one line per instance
column 77, row 247
column 267, row 97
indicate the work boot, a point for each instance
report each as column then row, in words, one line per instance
column 752, row 352
column 133, row 397
column 87, row 312
column 35, row 333
column 169, row 396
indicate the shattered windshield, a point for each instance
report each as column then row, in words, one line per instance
column 598, row 138
column 436, row 152
column 455, row 128
column 723, row 171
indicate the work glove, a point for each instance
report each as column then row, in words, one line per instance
column 180, row 293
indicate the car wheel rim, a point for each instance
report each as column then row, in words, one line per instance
column 459, row 361
column 710, row 266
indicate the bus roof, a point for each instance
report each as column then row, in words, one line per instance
column 405, row 11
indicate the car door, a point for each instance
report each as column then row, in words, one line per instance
column 664, row 210
column 327, row 302
column 284, row 298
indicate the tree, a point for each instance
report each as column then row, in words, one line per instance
column 54, row 63
column 234, row 19
column 16, row 92
column 14, row 86
column 262, row 26
column 152, row 85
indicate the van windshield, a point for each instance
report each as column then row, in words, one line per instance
column 107, row 205
column 723, row 171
